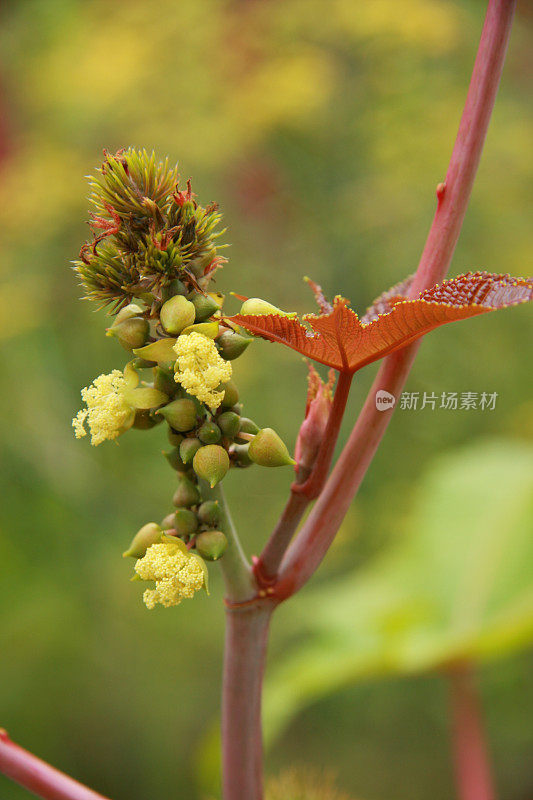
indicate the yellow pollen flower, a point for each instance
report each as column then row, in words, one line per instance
column 200, row 368
column 177, row 573
column 107, row 413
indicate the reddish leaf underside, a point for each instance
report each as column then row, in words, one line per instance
column 340, row 340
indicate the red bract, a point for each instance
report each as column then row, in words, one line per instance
column 341, row 340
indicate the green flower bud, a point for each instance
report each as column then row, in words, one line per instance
column 162, row 351
column 240, row 451
column 174, row 287
column 248, row 426
column 211, row 545
column 257, row 307
column 188, row 449
column 168, row 522
column 131, row 333
column 180, row 414
column 185, row 522
column 209, row 513
column 229, row 423
column 186, row 494
column 176, row 314
column 147, row 535
column 174, row 459
column 144, row 420
column 211, row 463
column 164, row 381
column 209, row 329
column 174, row 438
column 268, row 450
column 231, row 395
column 141, row 363
column 232, row 345
column 205, row 306
column 131, row 310
column 209, row 433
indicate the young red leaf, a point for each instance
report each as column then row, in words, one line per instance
column 340, row 340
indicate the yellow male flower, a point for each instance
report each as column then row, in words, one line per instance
column 177, row 573
column 200, row 369
column 112, row 401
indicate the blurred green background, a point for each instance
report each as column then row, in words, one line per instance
column 322, row 130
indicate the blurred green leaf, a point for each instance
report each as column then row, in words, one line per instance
column 459, row 585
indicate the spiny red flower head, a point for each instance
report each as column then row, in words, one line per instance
column 339, row 339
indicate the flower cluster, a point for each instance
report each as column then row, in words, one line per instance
column 177, row 573
column 200, row 369
column 152, row 258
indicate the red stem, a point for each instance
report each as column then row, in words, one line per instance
column 244, row 664
column 472, row 766
column 311, row 544
column 39, row 777
column 302, row 492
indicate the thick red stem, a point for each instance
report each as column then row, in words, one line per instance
column 244, row 664
column 39, row 777
column 314, row 539
column 302, row 492
column 472, row 765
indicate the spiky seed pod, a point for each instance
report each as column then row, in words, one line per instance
column 268, row 450
column 188, row 449
column 211, row 545
column 204, row 305
column 229, row 423
column 232, row 345
column 186, row 494
column 146, row 234
column 209, row 513
column 209, row 433
column 231, row 395
column 176, row 314
column 130, row 333
column 149, row 534
column 211, row 463
column 185, row 522
column 180, row 414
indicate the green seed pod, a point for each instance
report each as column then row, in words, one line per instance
column 185, row 522
column 229, row 423
column 174, row 459
column 268, row 450
column 180, row 414
column 174, row 438
column 176, row 314
column 144, row 420
column 168, row 521
column 231, row 395
column 131, row 310
column 174, row 287
column 186, row 494
column 147, row 535
column 257, row 307
column 211, row 545
column 205, row 306
column 130, row 333
column 232, row 345
column 240, row 451
column 188, row 449
column 209, row 513
column 164, row 381
column 211, row 463
column 209, row 433
column 248, row 426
